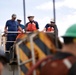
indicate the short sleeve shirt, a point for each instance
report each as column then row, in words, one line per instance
column 12, row 25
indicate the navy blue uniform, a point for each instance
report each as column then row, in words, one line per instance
column 54, row 26
column 12, row 26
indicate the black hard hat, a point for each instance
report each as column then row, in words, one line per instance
column 19, row 20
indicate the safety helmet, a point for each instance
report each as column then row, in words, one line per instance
column 52, row 20
column 71, row 31
column 30, row 16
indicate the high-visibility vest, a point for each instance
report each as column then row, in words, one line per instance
column 31, row 27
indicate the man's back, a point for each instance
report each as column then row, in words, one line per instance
column 61, row 64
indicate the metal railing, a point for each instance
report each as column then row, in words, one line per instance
column 17, row 47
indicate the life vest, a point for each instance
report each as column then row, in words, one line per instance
column 31, row 27
column 50, row 29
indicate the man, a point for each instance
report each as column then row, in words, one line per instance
column 31, row 25
column 19, row 22
column 51, row 27
column 11, row 25
column 64, row 61
column 3, row 60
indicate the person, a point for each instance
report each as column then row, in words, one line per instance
column 67, row 55
column 31, row 25
column 19, row 22
column 51, row 27
column 3, row 59
column 64, row 61
column 11, row 25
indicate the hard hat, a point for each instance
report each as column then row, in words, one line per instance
column 71, row 31
column 52, row 20
column 30, row 16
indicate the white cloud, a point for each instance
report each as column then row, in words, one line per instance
column 70, row 3
column 64, row 24
column 49, row 5
column 46, row 6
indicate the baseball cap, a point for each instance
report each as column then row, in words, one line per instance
column 19, row 20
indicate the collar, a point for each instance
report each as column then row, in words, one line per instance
column 62, row 55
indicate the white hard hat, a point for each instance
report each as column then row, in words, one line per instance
column 30, row 15
column 52, row 20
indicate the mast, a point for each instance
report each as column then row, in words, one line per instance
column 54, row 12
column 24, row 12
column 56, row 31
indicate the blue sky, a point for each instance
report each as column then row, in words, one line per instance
column 42, row 10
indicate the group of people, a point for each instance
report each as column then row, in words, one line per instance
column 13, row 25
column 62, row 63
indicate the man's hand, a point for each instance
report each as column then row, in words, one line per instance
column 5, row 31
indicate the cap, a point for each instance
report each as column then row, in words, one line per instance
column 14, row 15
column 19, row 20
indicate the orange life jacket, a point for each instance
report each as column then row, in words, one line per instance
column 50, row 29
column 31, row 27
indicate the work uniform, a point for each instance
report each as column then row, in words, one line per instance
column 49, row 27
column 32, row 26
column 12, row 26
column 52, row 28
